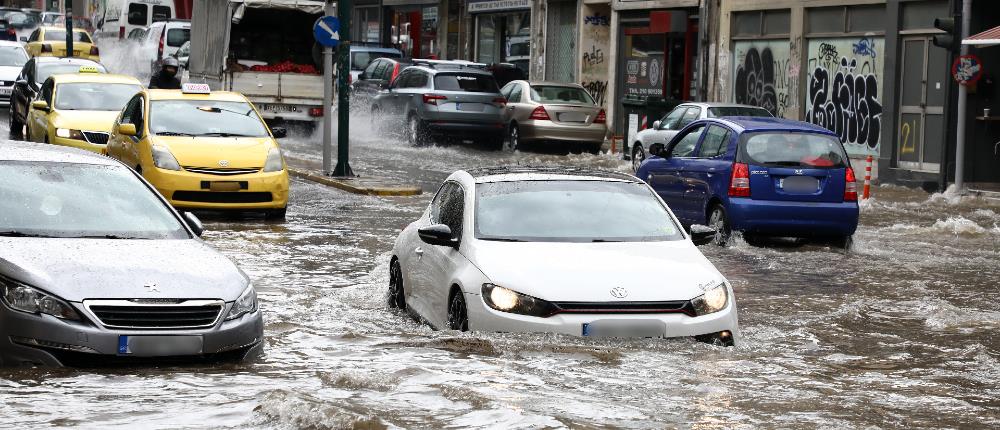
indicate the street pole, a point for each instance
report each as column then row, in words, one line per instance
column 327, row 101
column 963, row 96
column 69, row 28
column 343, row 168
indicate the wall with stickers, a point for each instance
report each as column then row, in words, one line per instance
column 843, row 90
column 763, row 75
column 595, row 51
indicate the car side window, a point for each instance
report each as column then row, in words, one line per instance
column 684, row 146
column 380, row 71
column 505, row 91
column 46, row 91
column 132, row 114
column 370, row 72
column 453, row 210
column 419, row 80
column 403, row 80
column 690, row 116
column 34, row 36
column 715, row 141
column 670, row 121
column 515, row 94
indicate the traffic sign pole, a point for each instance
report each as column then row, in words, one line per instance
column 327, row 101
column 69, row 28
column 343, row 168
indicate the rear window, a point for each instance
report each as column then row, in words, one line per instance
column 471, row 83
column 714, row 112
column 177, row 36
column 793, row 150
column 554, row 94
column 60, row 36
column 44, row 70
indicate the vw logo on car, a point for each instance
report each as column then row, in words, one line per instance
column 619, row 293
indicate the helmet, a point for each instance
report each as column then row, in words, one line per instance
column 170, row 62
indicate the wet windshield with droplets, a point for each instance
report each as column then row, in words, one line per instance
column 571, row 211
column 94, row 95
column 205, row 118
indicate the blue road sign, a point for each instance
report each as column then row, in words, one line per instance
column 327, row 31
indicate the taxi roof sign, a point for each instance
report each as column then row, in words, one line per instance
column 190, row 88
column 89, row 69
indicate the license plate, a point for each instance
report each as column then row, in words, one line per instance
column 469, row 107
column 275, row 108
column 572, row 117
column 5, row 91
column 624, row 328
column 224, row 186
column 159, row 346
column 799, row 184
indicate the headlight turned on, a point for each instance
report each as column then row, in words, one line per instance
column 507, row 300
column 714, row 300
column 31, row 300
column 246, row 304
column 69, row 133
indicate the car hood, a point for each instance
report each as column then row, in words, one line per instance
column 78, row 269
column 9, row 73
column 86, row 120
column 557, row 271
column 238, row 152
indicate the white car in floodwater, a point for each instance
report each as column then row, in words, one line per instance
column 584, row 253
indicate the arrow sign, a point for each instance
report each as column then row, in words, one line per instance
column 327, row 31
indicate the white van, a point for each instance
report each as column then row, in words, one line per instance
column 120, row 17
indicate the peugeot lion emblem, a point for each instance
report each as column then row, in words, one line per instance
column 619, row 292
column 152, row 288
column 223, row 163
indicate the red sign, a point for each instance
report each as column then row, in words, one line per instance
column 967, row 69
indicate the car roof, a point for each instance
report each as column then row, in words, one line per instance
column 71, row 60
column 551, row 83
column 10, row 43
column 375, row 49
column 95, row 77
column 51, row 28
column 225, row 96
column 545, row 173
column 718, row 104
column 39, row 152
column 752, row 124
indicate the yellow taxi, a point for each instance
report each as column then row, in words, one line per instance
column 51, row 42
column 203, row 150
column 78, row 110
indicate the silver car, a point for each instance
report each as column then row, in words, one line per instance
column 682, row 115
column 553, row 112
column 96, row 268
column 450, row 99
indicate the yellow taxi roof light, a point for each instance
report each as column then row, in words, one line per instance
column 89, row 69
column 190, row 88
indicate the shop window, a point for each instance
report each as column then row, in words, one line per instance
column 846, row 19
column 746, row 24
column 865, row 18
column 777, row 22
column 920, row 15
column 762, row 23
column 826, row 20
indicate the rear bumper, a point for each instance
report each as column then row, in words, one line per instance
column 532, row 130
column 794, row 219
column 471, row 129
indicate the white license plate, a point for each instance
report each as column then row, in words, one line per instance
column 799, row 184
column 573, row 117
column 159, row 346
column 624, row 328
column 5, row 91
column 275, row 108
column 469, row 107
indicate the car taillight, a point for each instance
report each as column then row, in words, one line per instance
column 350, row 79
column 601, row 117
column 46, row 47
column 851, row 186
column 739, row 182
column 432, row 99
column 540, row 113
column 316, row 111
column 159, row 51
column 121, row 32
column 500, row 101
column 12, row 32
column 94, row 51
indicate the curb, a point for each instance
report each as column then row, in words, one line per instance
column 356, row 188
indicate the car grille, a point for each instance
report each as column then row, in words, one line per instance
column 222, row 171
column 668, row 307
column 156, row 314
column 223, row 196
column 96, row 137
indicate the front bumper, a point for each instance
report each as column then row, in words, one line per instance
column 537, row 130
column 793, row 219
column 93, row 147
column 484, row 318
column 189, row 190
column 59, row 343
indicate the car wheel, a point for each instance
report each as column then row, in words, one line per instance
column 397, row 297
column 513, row 139
column 638, row 156
column 458, row 318
column 276, row 214
column 594, row 148
column 845, row 243
column 16, row 127
column 719, row 221
column 415, row 134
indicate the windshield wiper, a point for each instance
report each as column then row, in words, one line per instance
column 604, row 240
column 12, row 233
column 107, row 236
column 501, row 239
column 225, row 134
column 173, row 133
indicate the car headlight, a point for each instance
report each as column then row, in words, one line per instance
column 68, row 133
column 246, row 304
column 163, row 159
column 27, row 299
column 274, row 161
column 507, row 300
column 715, row 299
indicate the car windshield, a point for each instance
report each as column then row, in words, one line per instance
column 177, row 36
column 205, row 118
column 793, row 150
column 12, row 56
column 556, row 94
column 361, row 59
column 714, row 112
column 571, row 211
column 468, row 82
column 60, row 36
column 44, row 70
column 94, row 95
column 17, row 18
column 81, row 200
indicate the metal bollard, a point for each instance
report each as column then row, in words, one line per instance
column 868, row 179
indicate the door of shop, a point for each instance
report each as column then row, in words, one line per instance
column 923, row 79
column 504, row 38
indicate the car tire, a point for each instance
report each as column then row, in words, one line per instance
column 513, row 140
column 594, row 148
column 638, row 156
column 397, row 295
column 458, row 316
column 845, row 243
column 16, row 127
column 276, row 214
column 415, row 133
column 719, row 220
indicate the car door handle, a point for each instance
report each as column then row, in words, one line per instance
column 419, row 251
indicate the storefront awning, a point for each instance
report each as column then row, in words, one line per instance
column 986, row 38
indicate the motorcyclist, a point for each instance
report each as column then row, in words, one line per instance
column 167, row 77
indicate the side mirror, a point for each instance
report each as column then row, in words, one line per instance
column 658, row 150
column 279, row 132
column 127, row 129
column 702, row 235
column 41, row 105
column 437, row 234
column 193, row 222
column 656, row 125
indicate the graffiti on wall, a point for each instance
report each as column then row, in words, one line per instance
column 597, row 89
column 595, row 43
column 844, row 90
column 762, row 75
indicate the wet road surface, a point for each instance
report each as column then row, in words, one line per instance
column 901, row 332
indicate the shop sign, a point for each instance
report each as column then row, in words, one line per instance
column 967, row 69
column 644, row 76
column 498, row 5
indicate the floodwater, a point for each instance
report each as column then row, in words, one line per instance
column 900, row 332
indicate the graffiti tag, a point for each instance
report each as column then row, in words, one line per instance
column 864, row 47
column 597, row 20
column 755, row 80
column 597, row 90
column 845, row 103
column 594, row 57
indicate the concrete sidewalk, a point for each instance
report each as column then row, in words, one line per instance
column 313, row 171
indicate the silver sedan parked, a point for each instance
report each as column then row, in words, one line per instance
column 563, row 114
column 96, row 268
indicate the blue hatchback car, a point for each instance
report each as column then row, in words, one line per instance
column 759, row 176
